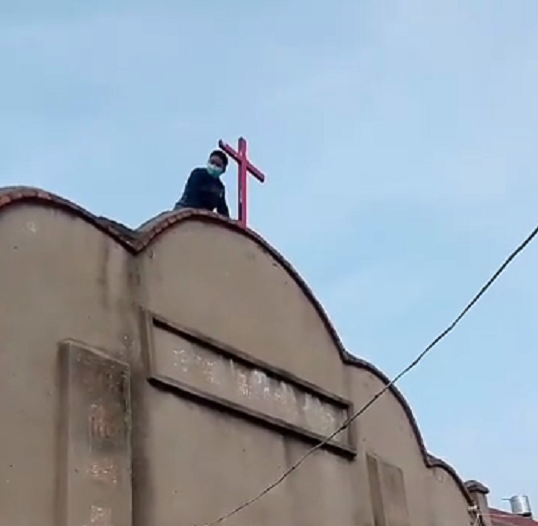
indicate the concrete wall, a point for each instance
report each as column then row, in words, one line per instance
column 231, row 373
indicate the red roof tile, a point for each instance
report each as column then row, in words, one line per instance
column 504, row 518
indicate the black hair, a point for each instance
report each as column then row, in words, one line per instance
column 221, row 155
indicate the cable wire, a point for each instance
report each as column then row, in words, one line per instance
column 372, row 400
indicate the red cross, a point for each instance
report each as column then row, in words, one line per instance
column 244, row 167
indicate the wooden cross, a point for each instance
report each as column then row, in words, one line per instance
column 244, row 168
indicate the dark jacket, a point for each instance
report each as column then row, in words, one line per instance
column 205, row 192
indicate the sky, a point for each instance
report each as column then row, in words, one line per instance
column 397, row 137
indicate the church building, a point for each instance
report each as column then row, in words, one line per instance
column 167, row 375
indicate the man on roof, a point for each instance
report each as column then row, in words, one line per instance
column 204, row 190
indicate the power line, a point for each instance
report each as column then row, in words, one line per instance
column 368, row 404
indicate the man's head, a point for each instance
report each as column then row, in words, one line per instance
column 217, row 163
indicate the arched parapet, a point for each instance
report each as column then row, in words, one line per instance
column 152, row 235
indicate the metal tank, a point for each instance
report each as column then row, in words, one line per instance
column 520, row 505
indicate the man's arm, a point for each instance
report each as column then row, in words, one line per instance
column 222, row 207
column 190, row 198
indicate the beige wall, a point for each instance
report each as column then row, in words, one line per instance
column 61, row 278
column 212, row 280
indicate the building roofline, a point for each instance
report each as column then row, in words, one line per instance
column 136, row 241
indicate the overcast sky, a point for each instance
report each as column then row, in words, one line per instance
column 397, row 136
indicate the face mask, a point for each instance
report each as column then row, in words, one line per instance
column 214, row 170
